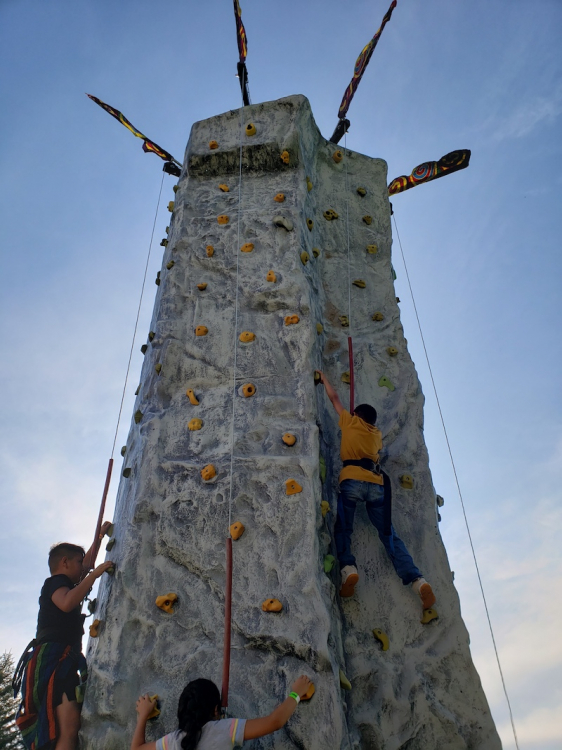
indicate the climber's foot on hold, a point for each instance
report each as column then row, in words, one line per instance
column 349, row 579
column 425, row 592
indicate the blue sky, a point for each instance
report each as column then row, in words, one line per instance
column 77, row 202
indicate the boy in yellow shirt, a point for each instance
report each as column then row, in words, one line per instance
column 361, row 480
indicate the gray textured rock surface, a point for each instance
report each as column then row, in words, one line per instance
column 171, row 525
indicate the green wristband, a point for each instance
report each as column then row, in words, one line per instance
column 296, row 696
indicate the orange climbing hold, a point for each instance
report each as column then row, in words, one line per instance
column 201, row 331
column 95, row 628
column 272, row 605
column 247, row 336
column 292, row 487
column 368, row 219
column 337, row 156
column 166, row 602
column 291, row 320
column 202, row 287
column 224, row 188
column 208, row 472
column 279, row 198
column 309, row 693
column 271, row 276
column 191, row 396
column 248, row 390
column 285, row 158
column 213, row 145
column 289, row 439
column 222, row 219
column 247, row 247
column 195, row 424
column 155, row 711
column 236, row 530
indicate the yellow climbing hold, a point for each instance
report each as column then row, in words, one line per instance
column 123, row 450
column 279, row 198
column 171, row 264
column 272, row 605
column 201, row 331
column 285, row 158
column 289, row 439
column 372, row 249
column 247, row 336
column 330, row 215
column 166, row 602
column 344, row 320
column 368, row 219
column 158, row 368
column 250, row 129
column 291, row 320
column 208, row 472
column 309, row 184
column 309, row 224
column 151, row 335
column 317, row 377
column 382, row 637
column 195, row 424
column 191, row 396
column 202, row 286
column 292, row 487
column 171, row 206
column 337, row 156
column 319, row 328
column 224, row 188
column 127, row 472
column 392, row 350
column 210, row 250
column 95, row 628
column 248, row 390
column 247, row 247
column 155, row 711
column 304, row 257
column 362, row 192
column 315, row 252
column 428, row 616
column 344, row 682
column 137, row 416
column 407, row 481
column 213, row 145
column 346, row 378
column 222, row 219
column 378, row 316
column 325, row 507
column 110, row 531
column 309, row 693
column 144, row 348
column 164, row 243
column 360, row 283
column 175, row 189
column 110, row 545
column 236, row 530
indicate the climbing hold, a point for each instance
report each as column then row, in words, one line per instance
column 247, row 336
column 151, row 335
column 330, row 215
column 210, row 250
column 304, row 257
column 428, row 616
column 222, row 219
column 138, row 416
column 309, row 693
column 372, row 249
column 92, row 604
column 392, row 350
column 224, row 188
column 322, row 468
column 213, row 145
column 176, row 188
column 360, row 283
column 201, row 331
column 346, row 378
column 398, row 299
column 191, row 396
column 194, row 424
column 309, row 184
column 164, row 243
column 110, row 545
column 317, row 377
column 344, row 320
column 382, row 637
column 110, row 531
column 280, row 221
column 309, row 224
column 157, row 279
column 289, row 439
column 385, row 382
column 110, row 571
column 319, row 328
column 155, row 711
column 337, row 156
column 171, row 206
column 325, row 508
column 291, row 320
column 171, row 264
column 138, row 390
column 144, row 348
column 208, row 472
column 202, row 286
column 123, row 450
column 248, row 390
column 362, row 192
column 329, row 561
column 166, row 602
column 292, row 487
column 439, row 500
column 315, row 252
column 285, row 158
column 393, row 273
column 279, row 198
column 344, row 682
column 127, row 472
column 236, row 530
column 250, row 129
column 247, row 247
column 378, row 316
column 272, row 605
column 95, row 628
column 271, row 276
column 368, row 219
column 407, row 481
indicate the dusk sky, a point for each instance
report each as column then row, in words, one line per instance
column 77, row 202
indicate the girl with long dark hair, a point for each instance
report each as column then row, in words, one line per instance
column 200, row 726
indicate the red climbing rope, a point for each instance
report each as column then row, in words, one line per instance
column 97, row 540
column 351, row 377
column 227, row 624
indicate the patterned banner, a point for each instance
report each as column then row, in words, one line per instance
column 361, row 64
column 240, row 32
column 148, row 145
column 431, row 170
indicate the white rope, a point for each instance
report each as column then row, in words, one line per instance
column 458, row 488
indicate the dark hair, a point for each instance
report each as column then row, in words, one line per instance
column 366, row 412
column 197, row 706
column 63, row 549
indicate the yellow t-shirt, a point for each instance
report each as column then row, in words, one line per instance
column 359, row 440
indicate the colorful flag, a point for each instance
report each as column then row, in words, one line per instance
column 240, row 32
column 148, row 145
column 431, row 170
column 361, row 64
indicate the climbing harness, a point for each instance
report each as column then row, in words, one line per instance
column 458, row 487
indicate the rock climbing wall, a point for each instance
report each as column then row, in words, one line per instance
column 267, row 235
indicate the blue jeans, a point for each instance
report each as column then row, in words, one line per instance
column 353, row 491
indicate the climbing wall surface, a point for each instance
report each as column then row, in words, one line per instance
column 273, row 246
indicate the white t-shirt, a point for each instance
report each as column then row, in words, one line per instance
column 215, row 735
